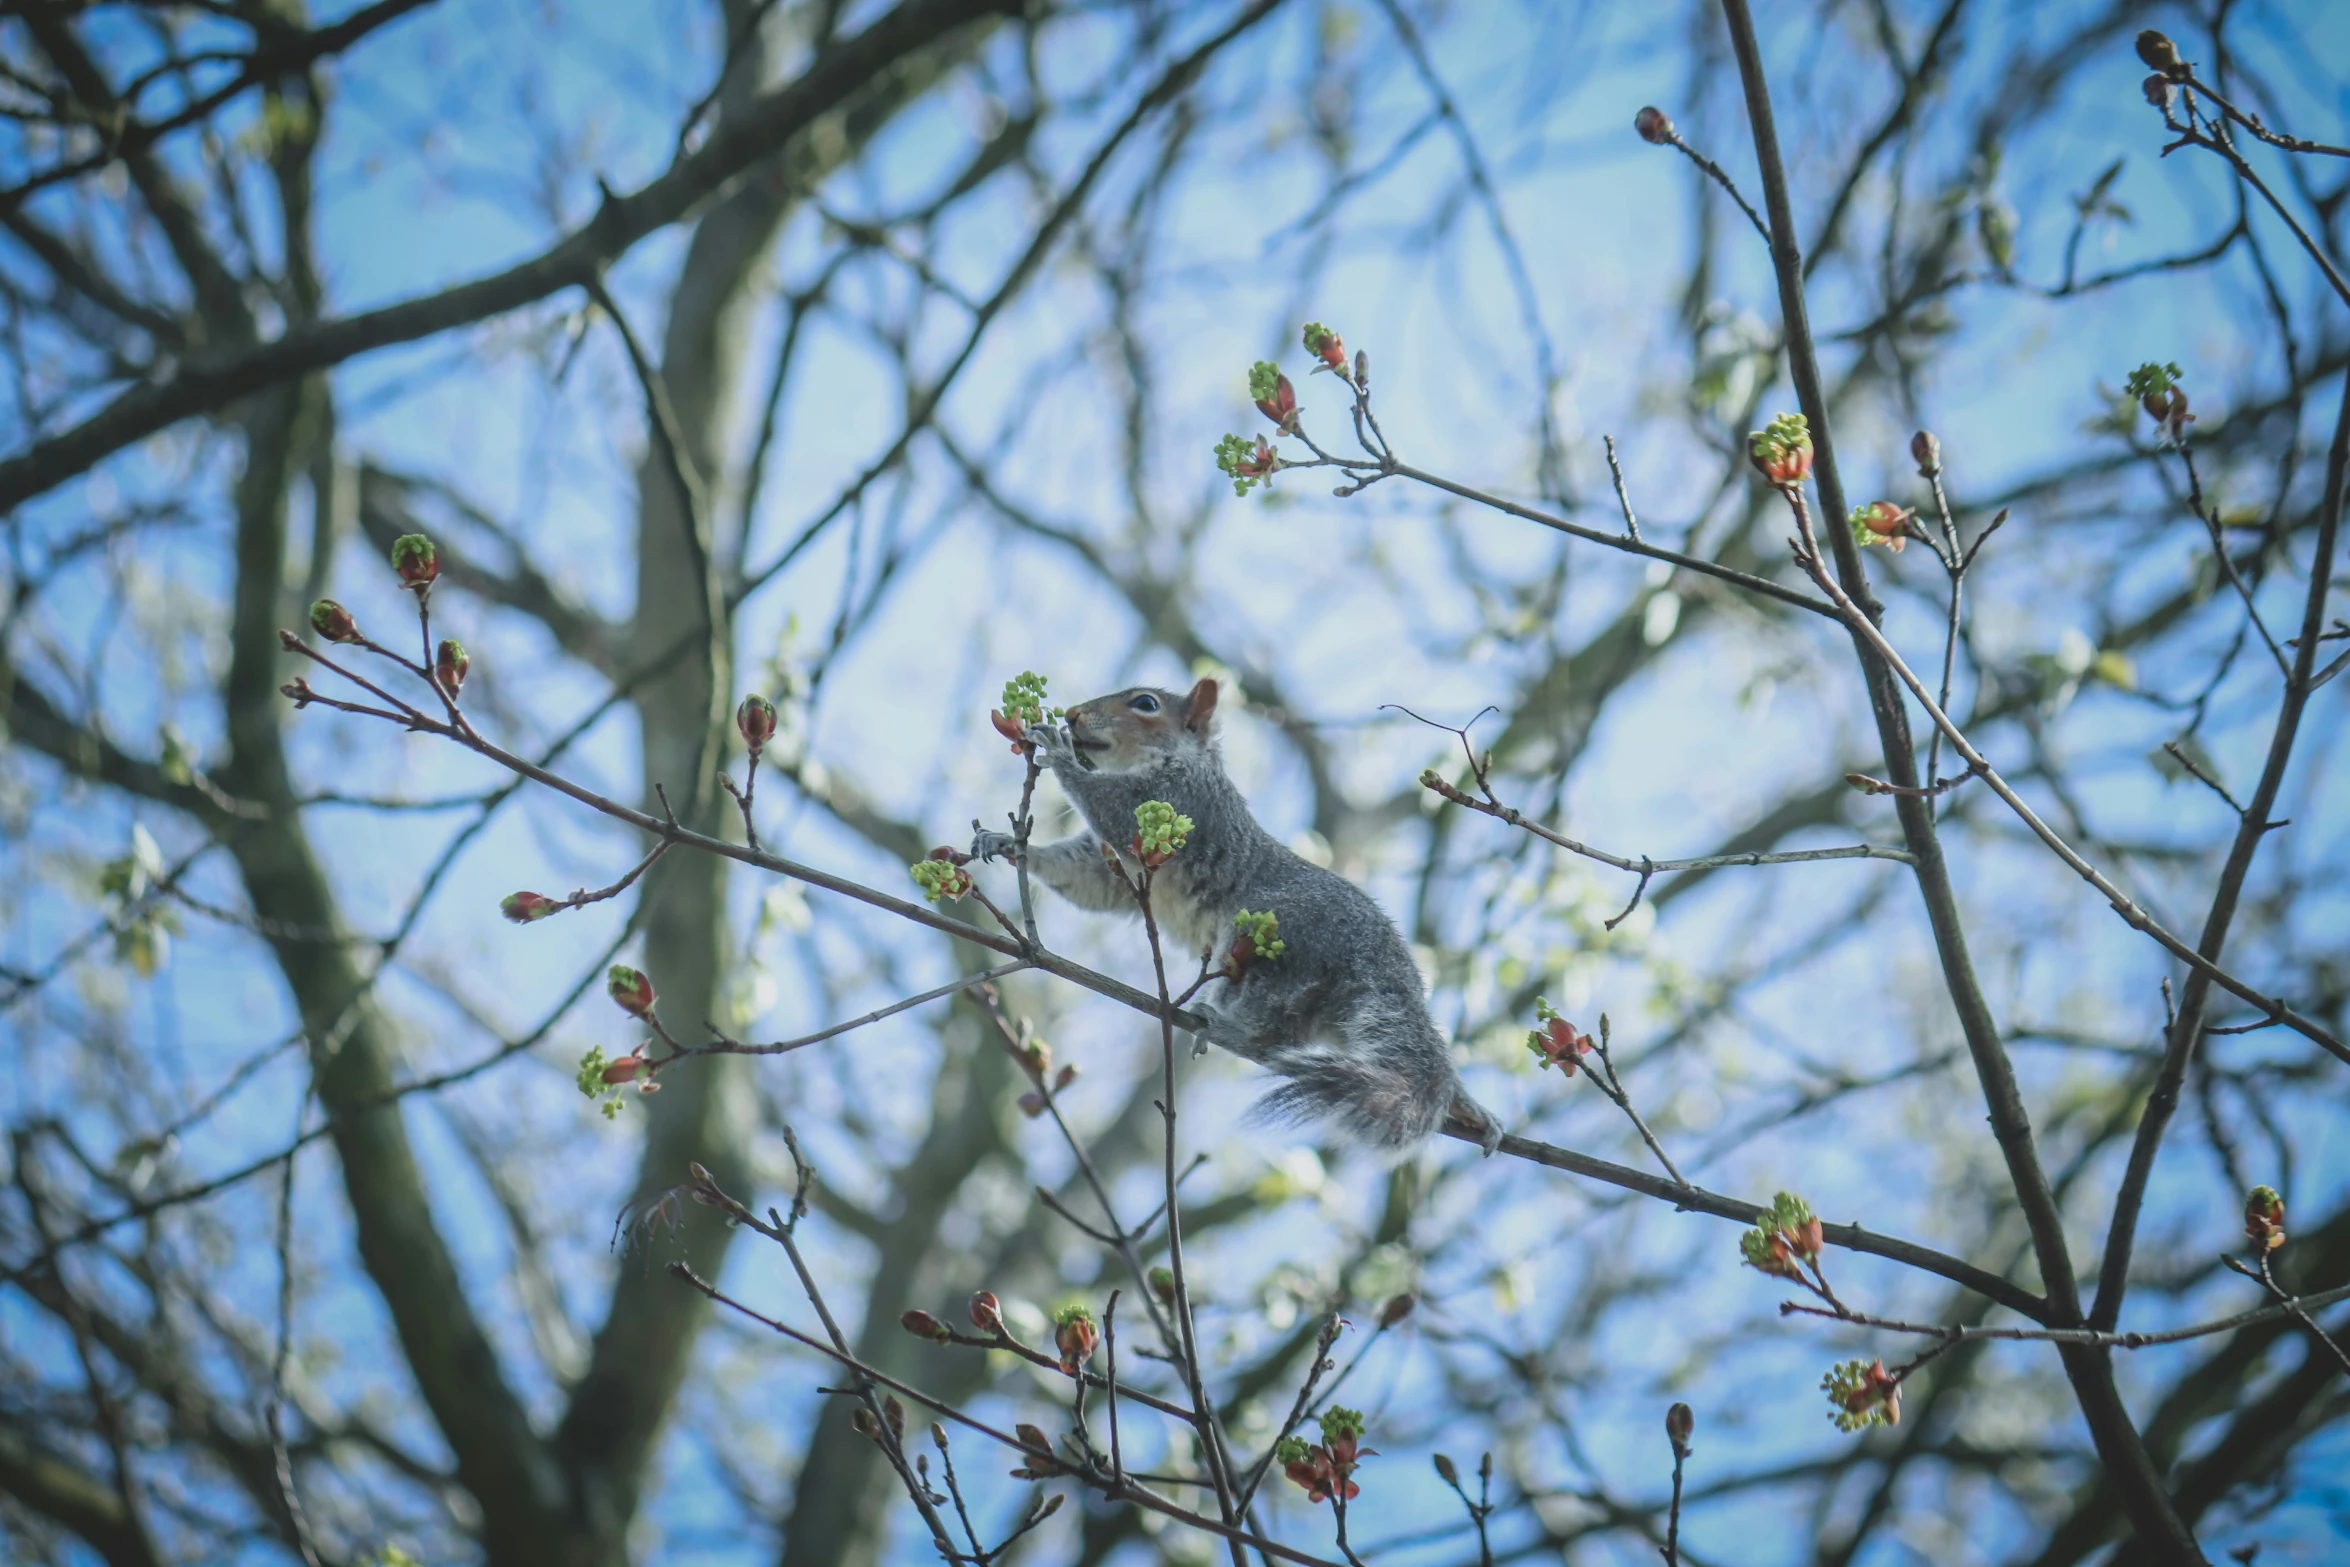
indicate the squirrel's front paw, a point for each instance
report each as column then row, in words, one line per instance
column 988, row 846
column 1052, row 742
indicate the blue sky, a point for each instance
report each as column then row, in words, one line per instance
column 438, row 171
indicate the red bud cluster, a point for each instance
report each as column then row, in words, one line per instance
column 627, row 1069
column 987, row 1313
column 1865, row 1395
column 1324, row 1469
column 1787, row 1235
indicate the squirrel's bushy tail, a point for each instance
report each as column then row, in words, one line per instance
column 1388, row 1097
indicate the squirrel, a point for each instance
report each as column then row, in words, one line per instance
column 1340, row 1013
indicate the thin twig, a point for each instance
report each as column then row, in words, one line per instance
column 1616, row 471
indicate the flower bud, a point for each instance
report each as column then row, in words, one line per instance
column 987, row 1313
column 1928, row 453
column 1447, row 1470
column 449, row 665
column 2158, row 51
column 333, row 622
column 2264, row 1218
column 1397, row 1308
column 415, row 559
column 895, row 1413
column 1162, row 1282
column 1556, row 1042
column 1075, row 1336
column 1881, row 522
column 923, row 1325
column 1064, row 1077
column 2157, row 89
column 940, row 877
column 1363, row 369
column 755, row 721
column 523, row 907
column 629, row 989
column 1782, row 450
column 625, row 1070
column 1654, row 125
column 1159, row 830
column 863, row 1423
column 1326, row 346
column 1032, row 1105
column 1680, row 1421
column 1275, row 398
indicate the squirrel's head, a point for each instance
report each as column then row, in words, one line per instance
column 1131, row 730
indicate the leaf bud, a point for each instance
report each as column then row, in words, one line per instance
column 1654, row 125
column 923, row 1325
column 2156, row 49
column 1447, row 1470
column 524, row 907
column 1680, row 1421
column 1397, row 1308
column 987, row 1313
column 1928, row 453
column 755, row 721
column 449, row 665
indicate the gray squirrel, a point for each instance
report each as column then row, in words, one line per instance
column 1340, row 1014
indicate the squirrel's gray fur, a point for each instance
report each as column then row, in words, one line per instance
column 1341, row 1013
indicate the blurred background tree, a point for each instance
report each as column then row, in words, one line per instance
column 943, row 307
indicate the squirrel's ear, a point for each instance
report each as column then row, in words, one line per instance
column 1201, row 710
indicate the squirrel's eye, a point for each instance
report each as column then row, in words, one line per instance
column 1145, row 703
